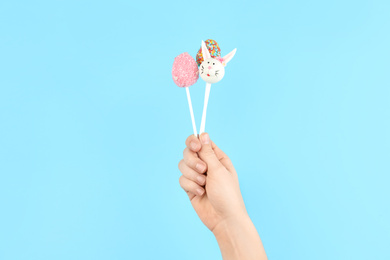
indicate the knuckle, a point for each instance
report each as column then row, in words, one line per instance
column 226, row 160
column 180, row 164
column 191, row 186
column 189, row 139
column 186, row 152
column 189, row 159
column 192, row 162
column 181, row 178
column 208, row 152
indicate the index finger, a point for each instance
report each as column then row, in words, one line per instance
column 193, row 143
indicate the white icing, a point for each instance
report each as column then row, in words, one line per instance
column 211, row 70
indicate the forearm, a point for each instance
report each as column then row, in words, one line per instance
column 238, row 239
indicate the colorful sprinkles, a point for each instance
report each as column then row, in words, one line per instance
column 213, row 48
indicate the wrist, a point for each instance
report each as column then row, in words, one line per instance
column 230, row 225
column 237, row 238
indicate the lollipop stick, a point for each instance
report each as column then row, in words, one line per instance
column 206, row 100
column 191, row 111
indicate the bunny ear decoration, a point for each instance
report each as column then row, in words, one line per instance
column 228, row 57
column 205, row 51
column 211, row 73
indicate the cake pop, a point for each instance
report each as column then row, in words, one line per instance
column 185, row 73
column 212, row 70
column 213, row 48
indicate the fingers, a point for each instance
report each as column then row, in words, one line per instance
column 191, row 174
column 193, row 143
column 191, row 159
column 190, row 186
column 190, row 195
column 207, row 153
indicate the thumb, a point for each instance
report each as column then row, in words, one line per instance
column 207, row 153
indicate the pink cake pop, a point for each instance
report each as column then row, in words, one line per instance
column 185, row 73
column 185, row 70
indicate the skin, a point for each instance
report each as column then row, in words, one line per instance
column 217, row 199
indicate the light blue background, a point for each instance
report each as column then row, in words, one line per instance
column 92, row 126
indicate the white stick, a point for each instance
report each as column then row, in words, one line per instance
column 206, row 100
column 191, row 111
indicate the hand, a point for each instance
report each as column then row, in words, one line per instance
column 216, row 197
column 211, row 183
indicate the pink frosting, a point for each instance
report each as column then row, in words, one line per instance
column 185, row 70
column 220, row 59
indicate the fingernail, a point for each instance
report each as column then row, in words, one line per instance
column 201, row 179
column 200, row 191
column 200, row 167
column 205, row 138
column 194, row 145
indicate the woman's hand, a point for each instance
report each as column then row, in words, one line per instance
column 211, row 183
column 216, row 197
